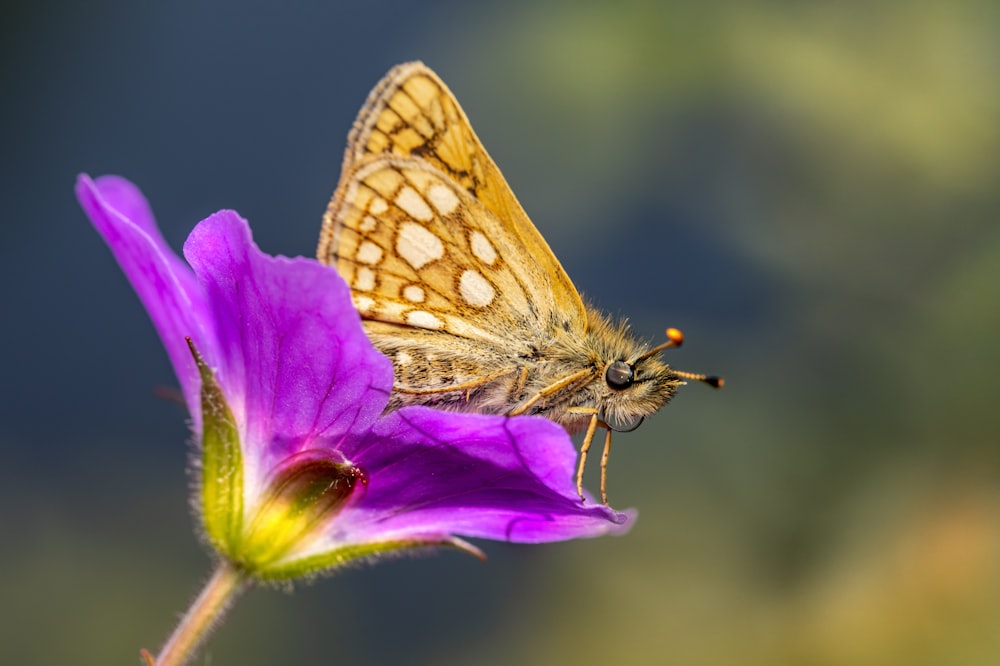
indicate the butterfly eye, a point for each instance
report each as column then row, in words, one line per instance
column 620, row 375
column 623, row 425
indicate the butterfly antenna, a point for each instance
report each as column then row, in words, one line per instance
column 675, row 339
column 711, row 380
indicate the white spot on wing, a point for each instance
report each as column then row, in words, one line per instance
column 475, row 289
column 417, row 246
column 442, row 198
column 414, row 293
column 482, row 248
column 369, row 253
column 364, row 279
column 414, row 205
column 363, row 304
column 378, row 206
column 367, row 224
column 422, row 319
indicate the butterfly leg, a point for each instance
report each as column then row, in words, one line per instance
column 604, row 467
column 522, row 381
column 555, row 387
column 587, row 440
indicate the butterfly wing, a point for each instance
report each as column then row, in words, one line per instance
column 410, row 125
column 419, row 250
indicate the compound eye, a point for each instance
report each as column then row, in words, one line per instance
column 620, row 375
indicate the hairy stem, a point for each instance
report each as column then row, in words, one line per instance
column 204, row 615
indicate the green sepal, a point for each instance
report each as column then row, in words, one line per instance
column 326, row 562
column 221, row 464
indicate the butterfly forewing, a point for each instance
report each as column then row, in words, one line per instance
column 412, row 114
column 418, row 250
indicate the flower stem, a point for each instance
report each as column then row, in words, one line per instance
column 204, row 615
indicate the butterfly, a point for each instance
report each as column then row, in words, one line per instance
column 456, row 285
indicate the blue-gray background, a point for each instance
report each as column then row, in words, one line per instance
column 809, row 192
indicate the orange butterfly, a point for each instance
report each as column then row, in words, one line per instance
column 459, row 289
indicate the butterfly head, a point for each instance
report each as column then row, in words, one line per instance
column 638, row 383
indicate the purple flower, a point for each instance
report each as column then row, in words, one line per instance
column 300, row 470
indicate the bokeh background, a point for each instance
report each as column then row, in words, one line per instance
column 808, row 190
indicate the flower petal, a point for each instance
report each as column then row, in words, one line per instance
column 165, row 285
column 434, row 473
column 297, row 374
column 293, row 353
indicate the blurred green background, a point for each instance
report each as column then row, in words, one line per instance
column 809, row 191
